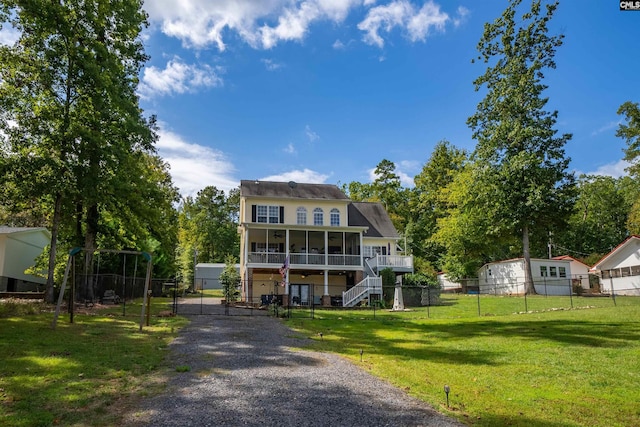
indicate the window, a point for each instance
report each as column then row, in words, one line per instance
column 267, row 214
column 262, row 213
column 335, row 217
column 301, row 216
column 274, row 214
column 318, row 216
column 562, row 271
column 553, row 272
column 543, row 271
column 371, row 251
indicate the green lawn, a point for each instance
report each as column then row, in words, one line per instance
column 83, row 373
column 576, row 367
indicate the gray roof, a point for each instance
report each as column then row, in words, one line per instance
column 292, row 190
column 374, row 216
column 10, row 230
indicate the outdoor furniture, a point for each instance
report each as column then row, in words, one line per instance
column 110, row 297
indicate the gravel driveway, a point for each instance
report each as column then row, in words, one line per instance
column 244, row 373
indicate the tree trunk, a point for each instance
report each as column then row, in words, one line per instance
column 55, row 226
column 529, row 289
column 90, row 246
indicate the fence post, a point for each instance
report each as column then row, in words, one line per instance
column 613, row 292
column 570, row 293
column 428, row 303
column 545, row 285
column 478, row 300
column 526, row 306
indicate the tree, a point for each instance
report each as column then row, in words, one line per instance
column 630, row 132
column 70, row 113
column 230, row 280
column 598, row 221
column 429, row 203
column 521, row 160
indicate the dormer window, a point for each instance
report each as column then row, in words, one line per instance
column 318, row 216
column 335, row 217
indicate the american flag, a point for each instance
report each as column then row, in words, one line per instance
column 285, row 267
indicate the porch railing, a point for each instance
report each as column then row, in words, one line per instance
column 304, row 259
column 395, row 262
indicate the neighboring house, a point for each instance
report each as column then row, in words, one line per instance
column 619, row 270
column 19, row 247
column 208, row 275
column 550, row 277
column 579, row 271
column 310, row 244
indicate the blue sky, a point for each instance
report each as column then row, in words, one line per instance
column 323, row 90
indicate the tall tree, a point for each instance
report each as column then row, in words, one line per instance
column 630, row 132
column 522, row 160
column 69, row 105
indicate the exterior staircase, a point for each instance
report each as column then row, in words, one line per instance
column 370, row 285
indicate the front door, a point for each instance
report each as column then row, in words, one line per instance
column 299, row 294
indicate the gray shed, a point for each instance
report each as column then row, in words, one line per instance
column 208, row 275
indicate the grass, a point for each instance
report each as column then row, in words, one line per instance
column 83, row 373
column 546, row 368
column 207, row 293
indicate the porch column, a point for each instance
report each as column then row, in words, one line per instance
column 326, row 248
column 326, row 282
column 326, row 298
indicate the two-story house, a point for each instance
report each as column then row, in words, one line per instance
column 309, row 244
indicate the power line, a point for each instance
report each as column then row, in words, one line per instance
column 568, row 250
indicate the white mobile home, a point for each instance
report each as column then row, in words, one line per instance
column 550, row 277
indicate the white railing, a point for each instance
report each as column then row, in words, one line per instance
column 370, row 285
column 304, row 259
column 395, row 262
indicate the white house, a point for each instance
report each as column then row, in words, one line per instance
column 19, row 247
column 309, row 244
column 550, row 277
column 619, row 270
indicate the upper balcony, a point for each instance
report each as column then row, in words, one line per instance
column 302, row 259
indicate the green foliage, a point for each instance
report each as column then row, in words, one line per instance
column 388, row 285
column 519, row 159
column 230, row 280
column 630, row 132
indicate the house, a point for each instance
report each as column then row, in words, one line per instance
column 19, row 247
column 550, row 277
column 208, row 275
column 619, row 270
column 579, row 271
column 308, row 244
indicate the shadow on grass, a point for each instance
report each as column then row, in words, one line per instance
column 78, row 373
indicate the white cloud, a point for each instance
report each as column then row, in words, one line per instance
column 194, row 166
column 338, row 45
column 313, row 136
column 290, row 149
column 306, row 176
column 177, row 77
column 271, row 65
column 609, row 126
column 260, row 23
column 402, row 14
column 616, row 169
column 461, row 16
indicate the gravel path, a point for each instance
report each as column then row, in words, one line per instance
column 244, row 373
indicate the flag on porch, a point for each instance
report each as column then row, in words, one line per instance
column 285, row 267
